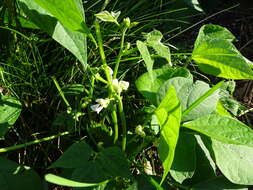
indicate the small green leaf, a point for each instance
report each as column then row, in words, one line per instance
column 70, row 183
column 10, row 109
column 108, row 17
column 147, row 58
column 169, row 117
column 223, row 128
column 149, row 90
column 75, row 156
column 220, row 58
column 234, row 161
column 184, row 164
column 218, row 183
column 154, row 40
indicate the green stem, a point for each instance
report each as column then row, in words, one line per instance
column 61, row 93
column 123, row 123
column 37, row 141
column 202, row 98
column 120, row 53
column 108, row 76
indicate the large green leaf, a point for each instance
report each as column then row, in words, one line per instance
column 10, row 109
column 188, row 92
column 91, row 172
column 205, row 165
column 75, row 42
column 218, row 183
column 184, row 163
column 220, row 58
column 149, row 90
column 75, row 156
column 234, row 161
column 154, row 40
column 14, row 176
column 67, row 12
column 169, row 118
column 211, row 31
column 113, row 162
column 223, row 128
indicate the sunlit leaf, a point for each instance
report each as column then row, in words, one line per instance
column 169, row 117
column 223, row 128
column 10, row 109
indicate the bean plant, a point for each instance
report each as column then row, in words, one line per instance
column 199, row 141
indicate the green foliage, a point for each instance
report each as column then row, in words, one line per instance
column 10, row 109
column 223, row 128
column 194, row 132
column 74, row 41
column 169, row 117
column 14, row 176
column 216, row 55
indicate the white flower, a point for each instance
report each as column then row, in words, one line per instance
column 102, row 103
column 119, row 86
column 123, row 85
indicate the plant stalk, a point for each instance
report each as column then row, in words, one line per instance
column 120, row 53
column 108, row 77
column 37, row 141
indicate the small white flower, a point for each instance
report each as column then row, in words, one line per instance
column 119, row 86
column 124, row 85
column 102, row 103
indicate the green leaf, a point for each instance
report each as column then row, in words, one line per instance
column 223, row 128
column 10, row 109
column 218, row 183
column 220, row 58
column 234, row 161
column 169, row 117
column 108, row 17
column 147, row 58
column 70, row 183
column 14, row 176
column 75, row 42
column 75, row 156
column 114, row 162
column 212, row 31
column 154, row 40
column 184, row 164
column 90, row 172
column 205, row 167
column 149, row 90
column 188, row 92
column 67, row 12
